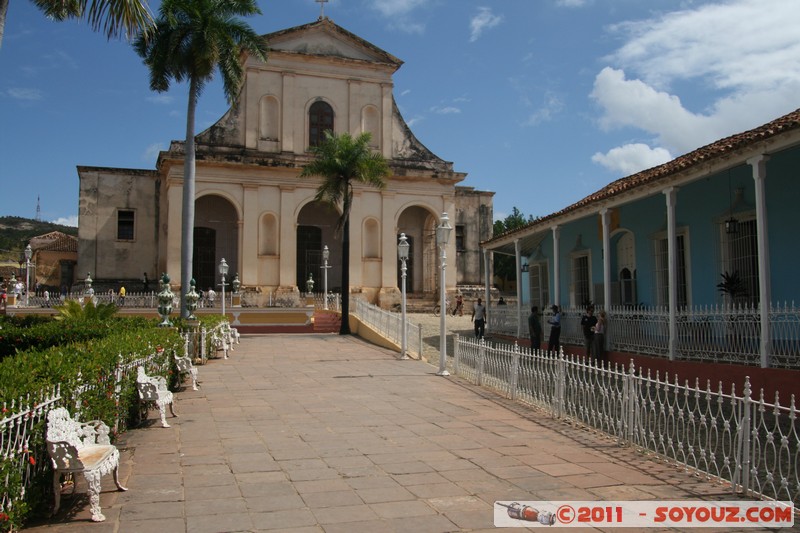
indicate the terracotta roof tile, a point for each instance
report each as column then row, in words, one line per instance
column 712, row 151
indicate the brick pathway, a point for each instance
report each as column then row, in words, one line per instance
column 321, row 433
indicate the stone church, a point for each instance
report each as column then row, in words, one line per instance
column 254, row 210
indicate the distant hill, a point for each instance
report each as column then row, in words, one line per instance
column 15, row 232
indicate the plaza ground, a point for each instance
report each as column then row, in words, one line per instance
column 323, row 433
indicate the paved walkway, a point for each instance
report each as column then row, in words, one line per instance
column 321, row 433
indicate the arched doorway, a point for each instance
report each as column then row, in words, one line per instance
column 316, row 228
column 216, row 236
column 419, row 225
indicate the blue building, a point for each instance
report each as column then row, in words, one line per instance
column 694, row 259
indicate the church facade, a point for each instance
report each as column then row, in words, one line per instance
column 254, row 210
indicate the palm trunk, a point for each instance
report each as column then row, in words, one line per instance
column 187, row 220
column 344, row 329
column 3, row 13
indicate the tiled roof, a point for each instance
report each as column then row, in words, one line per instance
column 55, row 241
column 685, row 162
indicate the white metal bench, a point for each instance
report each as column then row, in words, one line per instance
column 185, row 366
column 76, row 447
column 154, row 389
column 219, row 340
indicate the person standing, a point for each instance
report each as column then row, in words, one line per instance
column 211, row 295
column 588, row 320
column 599, row 350
column 555, row 330
column 479, row 318
column 122, row 296
column 535, row 329
column 145, row 284
column 459, row 308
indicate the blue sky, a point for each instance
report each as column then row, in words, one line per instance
column 541, row 101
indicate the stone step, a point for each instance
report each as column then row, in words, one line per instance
column 326, row 322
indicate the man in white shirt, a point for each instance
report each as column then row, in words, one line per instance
column 479, row 318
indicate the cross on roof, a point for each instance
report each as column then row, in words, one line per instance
column 321, row 8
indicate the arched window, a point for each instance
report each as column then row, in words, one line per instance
column 320, row 120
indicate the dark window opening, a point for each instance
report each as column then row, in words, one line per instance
column 320, row 120
column 460, row 247
column 125, row 225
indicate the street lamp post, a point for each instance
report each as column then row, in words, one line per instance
column 223, row 270
column 402, row 254
column 28, row 255
column 326, row 254
column 442, row 238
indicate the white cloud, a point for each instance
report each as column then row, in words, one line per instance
column 740, row 58
column 571, row 3
column 395, row 8
column 631, row 158
column 68, row 221
column 405, row 92
column 398, row 12
column 484, row 20
column 160, row 99
column 151, row 152
column 21, row 93
column 553, row 104
column 447, row 110
column 414, row 120
column 737, row 45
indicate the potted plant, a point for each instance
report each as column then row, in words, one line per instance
column 731, row 286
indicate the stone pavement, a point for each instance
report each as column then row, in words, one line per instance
column 322, row 433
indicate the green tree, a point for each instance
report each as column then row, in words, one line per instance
column 192, row 39
column 113, row 17
column 341, row 160
column 505, row 265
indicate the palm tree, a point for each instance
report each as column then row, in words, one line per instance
column 340, row 160
column 192, row 39
column 114, row 17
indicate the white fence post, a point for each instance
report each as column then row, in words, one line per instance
column 481, row 357
column 561, row 384
column 456, row 352
column 743, row 461
column 117, row 391
column 629, row 402
column 514, row 372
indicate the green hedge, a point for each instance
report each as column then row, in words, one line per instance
column 69, row 353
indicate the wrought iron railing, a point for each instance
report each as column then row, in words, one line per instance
column 22, row 444
column 751, row 444
column 716, row 334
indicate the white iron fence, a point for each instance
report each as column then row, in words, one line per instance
column 749, row 443
column 718, row 334
column 149, row 300
column 23, row 453
column 389, row 325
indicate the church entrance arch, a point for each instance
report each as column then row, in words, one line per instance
column 419, row 225
column 316, row 228
column 216, row 236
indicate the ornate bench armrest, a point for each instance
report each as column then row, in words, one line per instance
column 95, row 432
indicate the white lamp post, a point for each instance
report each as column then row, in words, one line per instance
column 402, row 254
column 223, row 270
column 442, row 238
column 326, row 254
column 28, row 255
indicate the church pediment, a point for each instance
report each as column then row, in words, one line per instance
column 324, row 38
